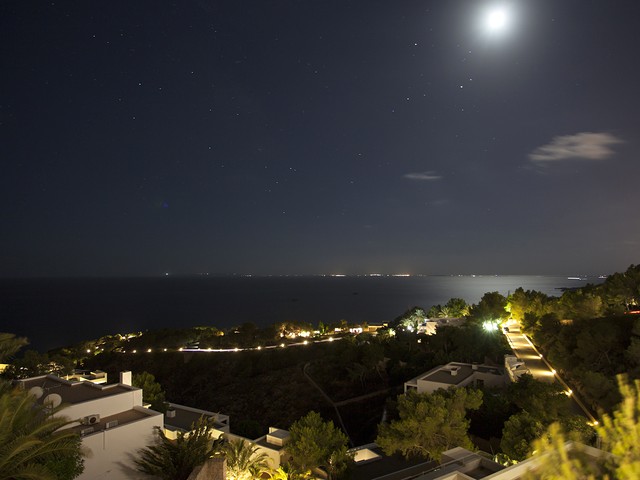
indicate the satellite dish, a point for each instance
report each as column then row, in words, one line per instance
column 52, row 400
column 36, row 392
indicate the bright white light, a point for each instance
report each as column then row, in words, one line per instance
column 490, row 326
column 497, row 19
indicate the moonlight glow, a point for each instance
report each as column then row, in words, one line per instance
column 497, row 19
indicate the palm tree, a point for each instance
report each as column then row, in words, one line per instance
column 243, row 460
column 176, row 459
column 31, row 444
column 290, row 472
column 10, row 344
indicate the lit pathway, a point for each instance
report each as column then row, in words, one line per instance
column 540, row 368
column 282, row 345
column 525, row 350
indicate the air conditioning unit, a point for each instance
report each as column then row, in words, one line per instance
column 90, row 419
column 171, row 413
column 86, row 431
column 111, row 424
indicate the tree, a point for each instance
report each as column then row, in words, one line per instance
column 410, row 319
column 492, row 307
column 457, row 307
column 620, row 432
column 290, row 472
column 620, row 435
column 581, row 304
column 31, row 444
column 430, row 424
column 518, row 434
column 151, row 391
column 622, row 290
column 176, row 459
column 521, row 302
column 558, row 461
column 34, row 364
column 243, row 460
column 543, row 400
column 315, row 443
column 10, row 344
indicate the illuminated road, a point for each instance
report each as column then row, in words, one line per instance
column 540, row 367
column 524, row 350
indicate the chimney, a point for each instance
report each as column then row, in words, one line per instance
column 474, row 366
column 214, row 469
column 125, row 378
column 454, row 372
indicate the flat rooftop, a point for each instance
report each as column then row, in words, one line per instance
column 70, row 392
column 185, row 417
column 442, row 373
column 394, row 467
column 122, row 418
column 278, row 437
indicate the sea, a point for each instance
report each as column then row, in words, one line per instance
column 54, row 312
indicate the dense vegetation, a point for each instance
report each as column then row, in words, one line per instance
column 31, row 444
column 588, row 334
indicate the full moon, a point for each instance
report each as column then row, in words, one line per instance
column 497, row 19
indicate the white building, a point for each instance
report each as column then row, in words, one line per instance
column 110, row 419
column 180, row 418
column 456, row 375
column 272, row 444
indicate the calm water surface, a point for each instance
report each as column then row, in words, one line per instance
column 56, row 312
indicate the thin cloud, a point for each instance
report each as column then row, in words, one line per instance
column 424, row 176
column 584, row 145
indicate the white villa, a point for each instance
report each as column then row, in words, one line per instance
column 456, row 374
column 114, row 424
column 110, row 419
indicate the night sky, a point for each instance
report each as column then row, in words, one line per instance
column 319, row 136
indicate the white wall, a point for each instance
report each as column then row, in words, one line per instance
column 105, row 406
column 111, row 451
